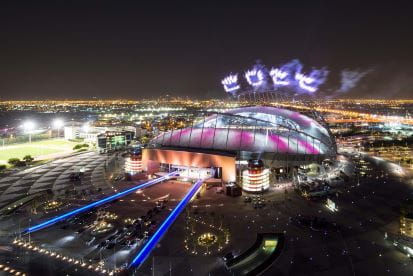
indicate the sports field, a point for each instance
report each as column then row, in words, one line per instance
column 39, row 149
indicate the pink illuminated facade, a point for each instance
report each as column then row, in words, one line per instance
column 153, row 158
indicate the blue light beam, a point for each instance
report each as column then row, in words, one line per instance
column 147, row 249
column 97, row 203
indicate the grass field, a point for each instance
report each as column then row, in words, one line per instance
column 35, row 149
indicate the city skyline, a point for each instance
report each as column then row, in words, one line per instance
column 132, row 50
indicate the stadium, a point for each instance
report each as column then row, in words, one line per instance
column 247, row 145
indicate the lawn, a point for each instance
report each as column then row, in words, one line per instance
column 55, row 143
column 35, row 149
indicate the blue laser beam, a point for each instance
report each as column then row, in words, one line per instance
column 97, row 203
column 147, row 249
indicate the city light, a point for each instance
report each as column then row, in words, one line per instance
column 86, row 127
column 58, row 123
column 79, row 263
column 29, row 126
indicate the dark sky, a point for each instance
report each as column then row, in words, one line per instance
column 139, row 49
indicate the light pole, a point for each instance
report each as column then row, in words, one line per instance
column 57, row 124
column 28, row 128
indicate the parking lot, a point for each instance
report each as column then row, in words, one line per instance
column 110, row 234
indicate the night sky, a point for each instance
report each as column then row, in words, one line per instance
column 146, row 49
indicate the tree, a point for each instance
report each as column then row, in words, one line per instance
column 13, row 161
column 28, row 159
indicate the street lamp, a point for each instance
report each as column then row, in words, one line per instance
column 86, row 127
column 28, row 126
column 57, row 124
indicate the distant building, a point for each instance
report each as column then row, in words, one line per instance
column 104, row 138
column 113, row 140
column 72, row 132
column 90, row 133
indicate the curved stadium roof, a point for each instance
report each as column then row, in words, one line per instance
column 253, row 129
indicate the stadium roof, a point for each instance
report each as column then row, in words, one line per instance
column 253, row 129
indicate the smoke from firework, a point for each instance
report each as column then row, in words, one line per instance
column 303, row 83
column 350, row 79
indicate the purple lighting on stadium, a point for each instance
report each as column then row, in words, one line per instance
column 254, row 77
column 279, row 77
column 230, row 83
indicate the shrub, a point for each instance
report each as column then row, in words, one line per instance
column 79, row 146
column 13, row 161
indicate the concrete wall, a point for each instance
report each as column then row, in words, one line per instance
column 151, row 158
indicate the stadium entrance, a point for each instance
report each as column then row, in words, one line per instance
column 192, row 172
column 194, row 165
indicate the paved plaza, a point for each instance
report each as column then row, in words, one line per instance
column 55, row 176
column 354, row 246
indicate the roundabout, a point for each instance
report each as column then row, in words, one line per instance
column 204, row 237
column 207, row 239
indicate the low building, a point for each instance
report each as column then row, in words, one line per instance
column 103, row 138
column 113, row 140
column 72, row 132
